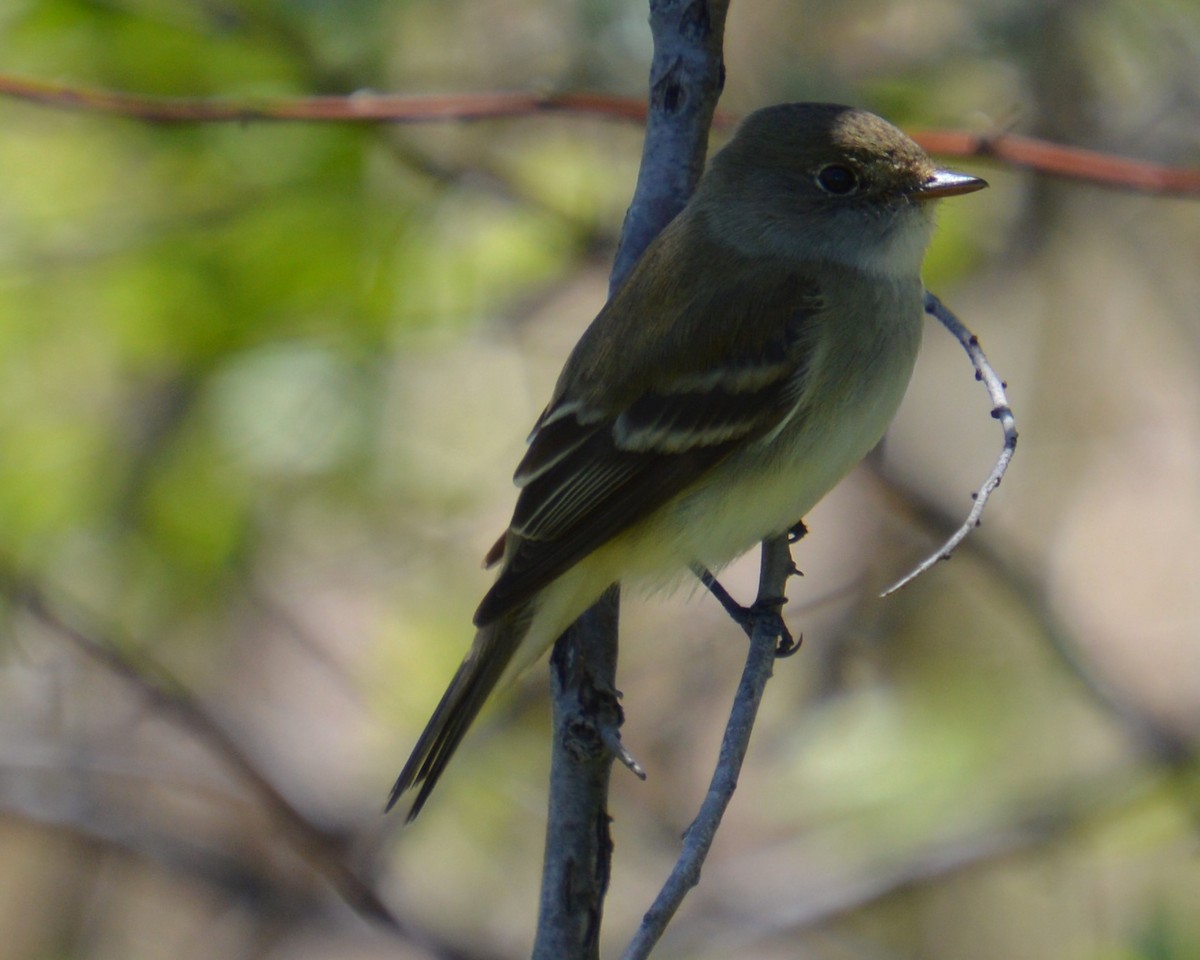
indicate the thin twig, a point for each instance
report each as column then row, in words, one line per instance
column 777, row 566
column 1000, row 411
column 361, row 107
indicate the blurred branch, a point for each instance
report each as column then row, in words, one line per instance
column 1169, row 746
column 353, row 108
column 767, row 628
column 241, row 881
column 1000, row 411
column 832, row 894
column 269, row 896
column 1006, row 149
column 326, row 852
column 1055, row 159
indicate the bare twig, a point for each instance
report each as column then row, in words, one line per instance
column 776, row 567
column 1000, row 411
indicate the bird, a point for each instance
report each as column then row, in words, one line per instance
column 756, row 352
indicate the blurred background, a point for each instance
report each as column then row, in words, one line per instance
column 262, row 387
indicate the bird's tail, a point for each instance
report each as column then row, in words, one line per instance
column 477, row 676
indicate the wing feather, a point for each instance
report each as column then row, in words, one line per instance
column 607, row 452
column 610, row 475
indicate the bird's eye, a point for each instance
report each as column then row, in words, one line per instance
column 837, row 180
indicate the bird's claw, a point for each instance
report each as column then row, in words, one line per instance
column 768, row 612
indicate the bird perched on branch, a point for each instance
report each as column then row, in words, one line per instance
column 755, row 354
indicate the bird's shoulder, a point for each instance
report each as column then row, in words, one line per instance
column 664, row 327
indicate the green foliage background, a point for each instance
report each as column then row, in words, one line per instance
column 261, row 389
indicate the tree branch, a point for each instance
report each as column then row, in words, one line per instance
column 1059, row 160
column 776, row 568
column 578, row 858
column 1019, row 574
column 1000, row 411
column 1006, row 149
column 361, row 107
column 686, row 76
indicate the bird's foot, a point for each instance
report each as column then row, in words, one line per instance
column 767, row 612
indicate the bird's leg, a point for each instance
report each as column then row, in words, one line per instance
column 765, row 610
column 736, row 611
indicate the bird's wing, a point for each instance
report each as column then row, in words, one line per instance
column 600, row 461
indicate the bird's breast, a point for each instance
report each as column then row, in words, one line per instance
column 862, row 362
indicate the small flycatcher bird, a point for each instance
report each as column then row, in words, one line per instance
column 755, row 354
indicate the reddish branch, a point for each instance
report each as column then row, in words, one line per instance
column 1013, row 150
column 1008, row 149
column 352, row 108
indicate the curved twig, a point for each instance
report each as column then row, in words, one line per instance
column 1000, row 411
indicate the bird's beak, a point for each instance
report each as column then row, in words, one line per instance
column 947, row 183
